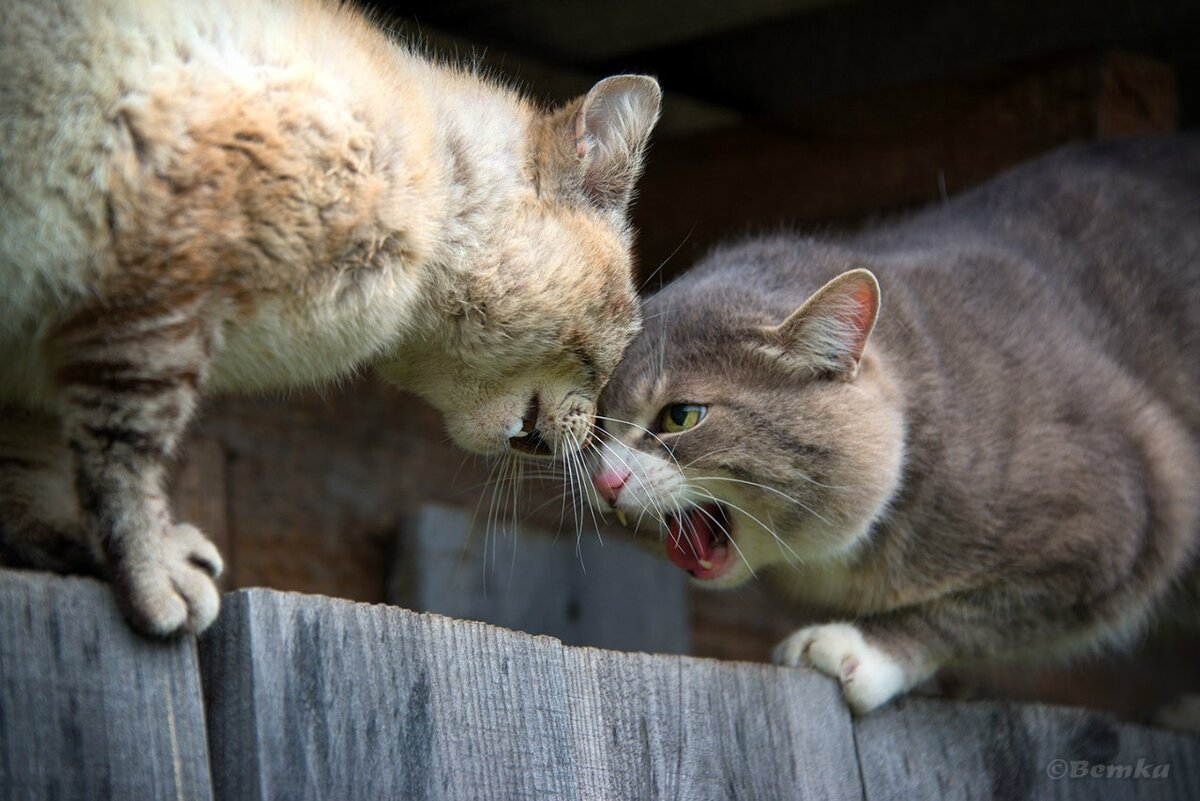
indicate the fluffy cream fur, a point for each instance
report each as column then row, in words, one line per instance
column 234, row 195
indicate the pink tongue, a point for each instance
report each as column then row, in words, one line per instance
column 690, row 539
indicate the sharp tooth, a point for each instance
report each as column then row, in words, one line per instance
column 621, row 517
column 704, row 563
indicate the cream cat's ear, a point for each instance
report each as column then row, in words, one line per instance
column 607, row 131
column 829, row 333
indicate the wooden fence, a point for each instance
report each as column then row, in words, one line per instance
column 297, row 697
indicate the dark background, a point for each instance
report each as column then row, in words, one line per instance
column 804, row 113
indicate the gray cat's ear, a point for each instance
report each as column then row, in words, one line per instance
column 829, row 333
column 610, row 129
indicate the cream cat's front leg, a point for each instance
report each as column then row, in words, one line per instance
column 128, row 381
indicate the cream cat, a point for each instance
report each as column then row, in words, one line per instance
column 252, row 194
column 968, row 435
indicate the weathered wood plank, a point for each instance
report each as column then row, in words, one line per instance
column 88, row 708
column 584, row 592
column 312, row 698
column 920, row 748
column 316, row 698
column 657, row 727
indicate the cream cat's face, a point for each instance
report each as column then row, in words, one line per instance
column 750, row 445
column 524, row 364
column 536, row 324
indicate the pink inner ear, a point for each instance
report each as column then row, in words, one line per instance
column 864, row 315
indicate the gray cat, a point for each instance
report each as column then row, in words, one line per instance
column 1001, row 460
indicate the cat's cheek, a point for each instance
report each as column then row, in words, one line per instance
column 485, row 427
column 476, row 435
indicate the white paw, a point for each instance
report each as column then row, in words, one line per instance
column 869, row 677
column 169, row 587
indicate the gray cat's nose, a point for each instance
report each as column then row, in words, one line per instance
column 609, row 481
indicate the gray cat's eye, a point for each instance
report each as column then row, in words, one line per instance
column 680, row 417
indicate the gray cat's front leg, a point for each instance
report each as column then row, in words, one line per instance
column 128, row 383
column 871, row 669
column 878, row 657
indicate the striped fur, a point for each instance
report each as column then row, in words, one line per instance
column 241, row 195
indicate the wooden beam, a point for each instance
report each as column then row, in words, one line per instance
column 651, row 727
column 1013, row 751
column 88, row 708
column 314, row 698
column 845, row 161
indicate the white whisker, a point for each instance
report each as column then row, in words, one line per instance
column 799, row 503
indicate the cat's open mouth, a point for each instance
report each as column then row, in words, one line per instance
column 698, row 540
column 529, row 440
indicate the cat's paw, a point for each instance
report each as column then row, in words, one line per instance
column 169, row 588
column 869, row 677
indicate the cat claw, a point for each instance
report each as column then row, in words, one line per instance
column 170, row 589
column 868, row 676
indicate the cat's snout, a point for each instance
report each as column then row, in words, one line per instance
column 609, row 481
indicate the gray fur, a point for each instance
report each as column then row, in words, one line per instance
column 1013, row 471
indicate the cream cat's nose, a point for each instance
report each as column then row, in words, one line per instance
column 608, row 482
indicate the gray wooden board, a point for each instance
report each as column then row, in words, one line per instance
column 919, row 748
column 314, row 698
column 88, row 708
column 604, row 593
column 651, row 727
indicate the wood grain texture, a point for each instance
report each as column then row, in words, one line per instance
column 88, row 708
column 313, row 698
column 934, row 749
column 647, row 727
column 585, row 590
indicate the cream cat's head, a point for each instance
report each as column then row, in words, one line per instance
column 751, row 423
column 544, row 305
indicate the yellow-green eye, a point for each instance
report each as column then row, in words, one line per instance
column 680, row 417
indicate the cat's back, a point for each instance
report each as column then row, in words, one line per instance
column 240, row 134
column 1117, row 221
column 87, row 87
column 1092, row 252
